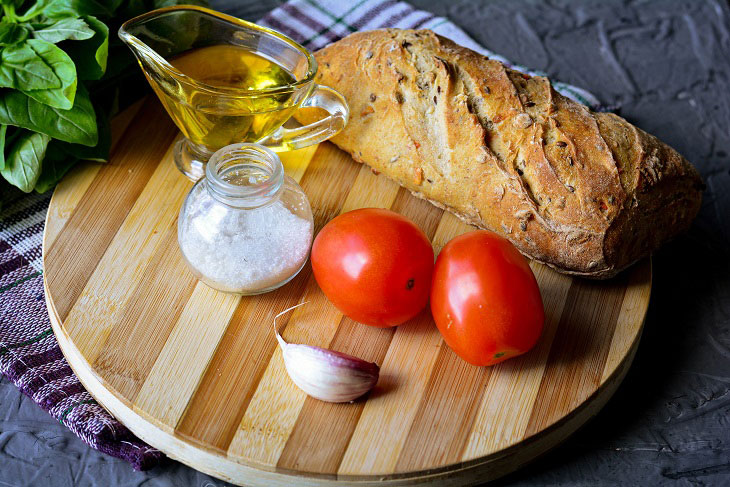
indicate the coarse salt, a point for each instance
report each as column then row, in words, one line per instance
column 244, row 251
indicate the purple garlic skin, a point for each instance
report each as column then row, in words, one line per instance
column 325, row 374
column 328, row 375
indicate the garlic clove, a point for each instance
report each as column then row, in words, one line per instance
column 325, row 374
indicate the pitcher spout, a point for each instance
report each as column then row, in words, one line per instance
column 161, row 34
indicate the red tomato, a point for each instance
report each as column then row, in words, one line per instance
column 485, row 299
column 374, row 265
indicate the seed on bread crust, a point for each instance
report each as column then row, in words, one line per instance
column 418, row 175
column 522, row 121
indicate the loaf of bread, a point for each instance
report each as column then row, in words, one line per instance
column 583, row 192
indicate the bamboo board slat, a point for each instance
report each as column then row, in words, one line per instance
column 197, row 373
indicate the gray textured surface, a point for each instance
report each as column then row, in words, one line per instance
column 667, row 65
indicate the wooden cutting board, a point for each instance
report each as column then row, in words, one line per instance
column 197, row 373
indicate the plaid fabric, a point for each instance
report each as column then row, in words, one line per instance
column 29, row 353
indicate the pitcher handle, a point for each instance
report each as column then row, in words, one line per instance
column 324, row 97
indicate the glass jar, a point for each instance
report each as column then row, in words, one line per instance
column 245, row 227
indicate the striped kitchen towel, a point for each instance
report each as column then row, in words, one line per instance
column 29, row 353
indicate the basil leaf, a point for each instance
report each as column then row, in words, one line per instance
column 55, row 165
column 78, row 8
column 35, row 10
column 3, row 130
column 23, row 164
column 69, row 28
column 61, row 156
column 22, row 68
column 98, row 152
column 8, row 134
column 12, row 33
column 41, row 70
column 90, row 55
column 77, row 125
column 65, row 70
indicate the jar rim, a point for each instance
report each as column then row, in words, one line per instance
column 254, row 193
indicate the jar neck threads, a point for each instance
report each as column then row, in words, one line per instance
column 245, row 175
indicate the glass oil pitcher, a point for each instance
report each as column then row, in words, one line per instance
column 224, row 80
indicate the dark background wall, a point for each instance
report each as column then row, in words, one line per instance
column 666, row 65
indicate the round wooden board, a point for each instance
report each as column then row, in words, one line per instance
column 197, row 373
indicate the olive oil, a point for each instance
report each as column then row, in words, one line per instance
column 214, row 119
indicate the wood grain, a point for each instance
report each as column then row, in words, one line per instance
column 149, row 316
column 72, row 187
column 445, row 417
column 206, row 316
column 382, row 428
column 579, row 350
column 126, row 259
column 100, row 213
column 236, row 367
column 198, row 373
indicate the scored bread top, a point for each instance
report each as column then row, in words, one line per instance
column 587, row 193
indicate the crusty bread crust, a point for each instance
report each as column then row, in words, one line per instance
column 586, row 193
